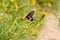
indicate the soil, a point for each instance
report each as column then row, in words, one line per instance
column 50, row 30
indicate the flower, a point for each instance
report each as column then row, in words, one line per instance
column 12, row 7
column 12, row 1
column 1, row 18
column 3, row 4
column 24, row 17
column 33, row 2
column 38, row 24
column 49, row 4
column 45, row 13
column 15, row 21
column 8, row 15
column 23, row 26
column 16, row 6
column 27, row 27
column 32, row 31
column 45, row 3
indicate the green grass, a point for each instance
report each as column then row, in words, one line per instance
column 16, row 31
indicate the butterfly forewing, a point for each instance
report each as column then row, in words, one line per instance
column 29, row 16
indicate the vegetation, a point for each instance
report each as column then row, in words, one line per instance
column 13, row 22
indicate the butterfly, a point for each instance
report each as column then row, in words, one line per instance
column 29, row 16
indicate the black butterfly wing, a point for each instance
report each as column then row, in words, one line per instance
column 29, row 16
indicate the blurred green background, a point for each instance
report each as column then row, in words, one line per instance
column 14, row 25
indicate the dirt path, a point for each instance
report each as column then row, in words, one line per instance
column 50, row 30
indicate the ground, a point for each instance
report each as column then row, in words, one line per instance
column 50, row 30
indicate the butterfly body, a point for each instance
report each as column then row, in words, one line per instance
column 29, row 16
